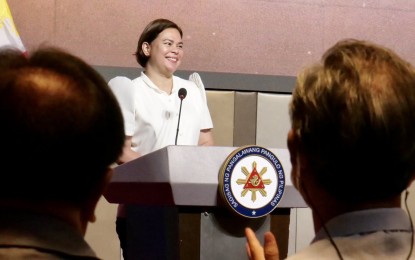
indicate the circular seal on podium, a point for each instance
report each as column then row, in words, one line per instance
column 252, row 181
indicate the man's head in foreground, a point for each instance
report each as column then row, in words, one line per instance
column 352, row 142
column 61, row 130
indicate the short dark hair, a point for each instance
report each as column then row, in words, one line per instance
column 354, row 113
column 152, row 30
column 61, row 126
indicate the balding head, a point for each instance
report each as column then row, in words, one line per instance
column 61, row 126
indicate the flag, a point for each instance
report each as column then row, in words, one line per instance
column 8, row 32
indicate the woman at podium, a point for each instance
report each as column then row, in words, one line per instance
column 159, row 109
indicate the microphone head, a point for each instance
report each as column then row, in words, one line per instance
column 182, row 93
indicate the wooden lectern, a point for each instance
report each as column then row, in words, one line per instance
column 186, row 178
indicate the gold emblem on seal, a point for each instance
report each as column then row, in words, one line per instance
column 254, row 181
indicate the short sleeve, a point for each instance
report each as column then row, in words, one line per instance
column 206, row 118
column 123, row 89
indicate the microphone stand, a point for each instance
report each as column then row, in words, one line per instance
column 178, row 123
column 182, row 94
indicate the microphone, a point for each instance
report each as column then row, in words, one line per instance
column 182, row 95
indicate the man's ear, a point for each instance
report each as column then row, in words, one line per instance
column 300, row 171
column 107, row 179
column 411, row 181
column 96, row 195
column 292, row 143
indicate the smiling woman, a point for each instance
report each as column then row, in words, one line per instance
column 151, row 108
column 164, row 57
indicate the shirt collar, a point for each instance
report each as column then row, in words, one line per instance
column 150, row 84
column 28, row 229
column 366, row 221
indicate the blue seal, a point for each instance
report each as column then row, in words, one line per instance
column 252, row 181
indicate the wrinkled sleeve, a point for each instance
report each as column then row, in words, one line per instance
column 206, row 118
column 123, row 89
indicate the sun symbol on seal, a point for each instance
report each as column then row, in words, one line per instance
column 254, row 181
